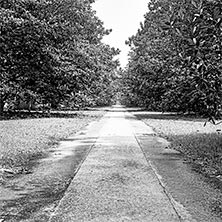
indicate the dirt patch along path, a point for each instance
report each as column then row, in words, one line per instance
column 116, row 182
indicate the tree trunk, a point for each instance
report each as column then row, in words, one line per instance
column 1, row 107
column 54, row 104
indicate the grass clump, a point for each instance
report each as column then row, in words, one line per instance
column 202, row 149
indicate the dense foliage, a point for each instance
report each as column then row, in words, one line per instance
column 51, row 53
column 176, row 58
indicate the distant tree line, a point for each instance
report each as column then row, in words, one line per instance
column 176, row 58
column 51, row 53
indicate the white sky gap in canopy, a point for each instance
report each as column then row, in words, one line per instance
column 123, row 17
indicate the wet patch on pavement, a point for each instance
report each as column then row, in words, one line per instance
column 116, row 178
column 133, row 165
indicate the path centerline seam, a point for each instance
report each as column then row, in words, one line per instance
column 159, row 180
column 169, row 197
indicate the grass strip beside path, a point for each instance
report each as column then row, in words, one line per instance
column 202, row 145
column 25, row 139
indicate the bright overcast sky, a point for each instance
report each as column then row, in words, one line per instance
column 123, row 17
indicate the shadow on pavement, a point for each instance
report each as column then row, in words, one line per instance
column 33, row 197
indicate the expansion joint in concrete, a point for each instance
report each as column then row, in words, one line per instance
column 169, row 197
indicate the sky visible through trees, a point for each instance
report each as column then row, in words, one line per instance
column 123, row 17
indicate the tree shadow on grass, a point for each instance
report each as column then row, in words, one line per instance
column 46, row 114
column 168, row 116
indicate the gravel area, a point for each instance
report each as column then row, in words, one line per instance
column 22, row 140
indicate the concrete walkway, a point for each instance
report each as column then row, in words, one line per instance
column 116, row 182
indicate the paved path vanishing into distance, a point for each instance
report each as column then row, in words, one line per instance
column 116, row 181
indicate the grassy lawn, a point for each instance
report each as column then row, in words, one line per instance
column 202, row 145
column 24, row 139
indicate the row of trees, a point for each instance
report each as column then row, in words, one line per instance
column 51, row 52
column 176, row 58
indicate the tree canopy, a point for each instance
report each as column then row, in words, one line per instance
column 175, row 59
column 51, row 51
